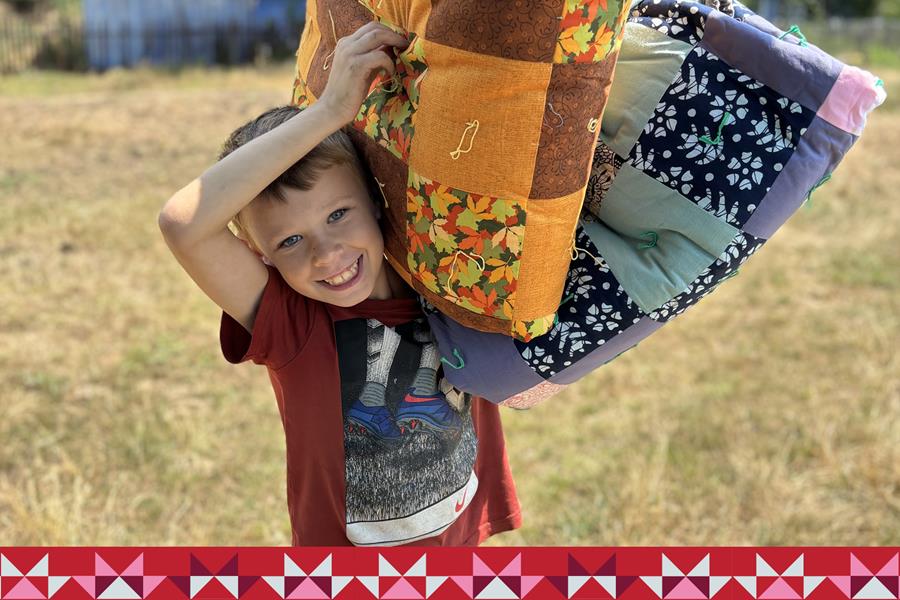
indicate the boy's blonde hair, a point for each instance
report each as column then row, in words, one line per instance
column 336, row 149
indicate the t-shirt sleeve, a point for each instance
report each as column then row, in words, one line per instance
column 283, row 321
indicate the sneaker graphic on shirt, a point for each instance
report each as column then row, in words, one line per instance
column 373, row 421
column 431, row 411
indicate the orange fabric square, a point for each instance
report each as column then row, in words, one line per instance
column 479, row 121
column 547, row 251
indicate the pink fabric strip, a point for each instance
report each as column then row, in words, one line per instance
column 853, row 96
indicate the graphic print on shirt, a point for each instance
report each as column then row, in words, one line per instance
column 409, row 453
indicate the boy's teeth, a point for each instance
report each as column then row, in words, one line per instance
column 344, row 276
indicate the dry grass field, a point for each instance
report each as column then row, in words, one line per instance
column 769, row 414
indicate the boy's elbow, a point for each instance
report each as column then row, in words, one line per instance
column 172, row 223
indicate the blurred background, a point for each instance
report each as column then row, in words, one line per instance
column 768, row 414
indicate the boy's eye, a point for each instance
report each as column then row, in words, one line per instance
column 291, row 241
column 337, row 215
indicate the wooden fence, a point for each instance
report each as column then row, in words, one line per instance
column 69, row 45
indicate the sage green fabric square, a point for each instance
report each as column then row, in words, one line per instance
column 648, row 63
column 689, row 238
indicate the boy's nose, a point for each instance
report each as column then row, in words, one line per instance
column 325, row 253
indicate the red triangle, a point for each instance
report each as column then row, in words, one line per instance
column 135, row 582
column 702, row 584
column 591, row 589
column 230, row 568
column 608, row 568
column 103, row 582
column 198, row 568
column 214, row 590
column 245, row 582
column 9, row 583
column 479, row 582
column 575, row 567
column 513, row 582
column 890, row 582
column 858, row 582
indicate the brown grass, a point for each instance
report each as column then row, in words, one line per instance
column 769, row 414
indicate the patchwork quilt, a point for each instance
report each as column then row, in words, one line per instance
column 716, row 130
column 481, row 144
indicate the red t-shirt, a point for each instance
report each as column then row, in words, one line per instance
column 380, row 450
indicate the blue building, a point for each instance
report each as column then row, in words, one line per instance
column 127, row 32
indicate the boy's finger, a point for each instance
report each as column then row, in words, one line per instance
column 378, row 60
column 373, row 39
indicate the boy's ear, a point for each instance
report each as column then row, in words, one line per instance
column 261, row 256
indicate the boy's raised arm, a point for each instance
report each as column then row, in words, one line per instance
column 194, row 221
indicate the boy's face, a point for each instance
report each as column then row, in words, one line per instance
column 325, row 242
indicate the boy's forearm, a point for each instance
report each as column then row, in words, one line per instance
column 206, row 205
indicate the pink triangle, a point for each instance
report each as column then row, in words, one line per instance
column 136, row 568
column 528, row 583
column 101, row 568
column 891, row 567
column 514, row 567
column 857, row 568
column 150, row 583
column 88, row 582
column 842, row 582
column 465, row 582
column 781, row 590
column 24, row 589
column 402, row 589
column 685, row 589
column 479, row 568
column 308, row 590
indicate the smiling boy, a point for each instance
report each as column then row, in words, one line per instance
column 380, row 450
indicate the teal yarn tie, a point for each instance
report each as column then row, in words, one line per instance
column 794, row 30
column 879, row 83
column 654, row 237
column 822, row 182
column 459, row 358
column 726, row 120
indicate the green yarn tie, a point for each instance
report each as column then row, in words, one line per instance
column 879, row 83
column 794, row 30
column 654, row 237
column 726, row 120
column 458, row 356
column 822, row 182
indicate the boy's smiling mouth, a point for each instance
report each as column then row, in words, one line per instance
column 346, row 278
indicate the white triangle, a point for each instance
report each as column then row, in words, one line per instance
column 276, row 582
column 716, row 583
column 654, row 583
column 230, row 583
column 339, row 582
column 386, row 569
column 418, row 569
column 433, row 582
column 7, row 569
column 40, row 569
column 324, row 568
column 54, row 583
column 701, row 569
column 763, row 569
column 371, row 583
column 811, row 582
column 497, row 590
column 119, row 590
column 291, row 569
column 576, row 582
column 669, row 569
column 198, row 582
column 796, row 568
column 608, row 583
column 748, row 582
column 874, row 590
